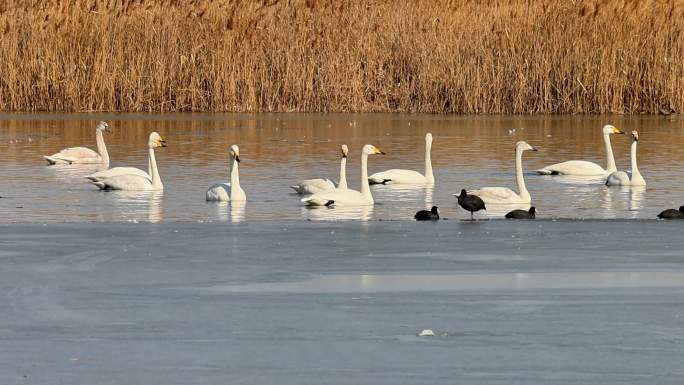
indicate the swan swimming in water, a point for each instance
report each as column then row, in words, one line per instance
column 226, row 192
column 312, row 186
column 402, row 176
column 84, row 155
column 583, row 167
column 347, row 197
column 621, row 178
column 136, row 182
column 114, row 171
column 503, row 195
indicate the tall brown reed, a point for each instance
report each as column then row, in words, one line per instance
column 514, row 56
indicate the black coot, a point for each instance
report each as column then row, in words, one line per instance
column 425, row 215
column 471, row 202
column 672, row 214
column 522, row 214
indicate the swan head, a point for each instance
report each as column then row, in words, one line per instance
column 610, row 129
column 434, row 210
column 103, row 126
column 369, row 149
column 463, row 193
column 635, row 136
column 234, row 152
column 524, row 146
column 428, row 138
column 156, row 140
column 344, row 150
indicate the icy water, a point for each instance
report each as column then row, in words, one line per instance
column 280, row 149
column 595, row 298
column 567, row 302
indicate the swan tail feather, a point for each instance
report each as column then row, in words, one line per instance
column 378, row 181
column 545, row 171
column 53, row 160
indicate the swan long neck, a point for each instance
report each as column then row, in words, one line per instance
column 365, row 188
column 636, row 175
column 234, row 177
column 610, row 159
column 101, row 147
column 519, row 179
column 343, row 173
column 154, row 173
column 428, row 163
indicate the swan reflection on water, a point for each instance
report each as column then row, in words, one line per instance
column 229, row 211
column 75, row 173
column 341, row 213
column 139, row 205
column 623, row 198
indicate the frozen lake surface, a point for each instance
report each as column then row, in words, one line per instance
column 277, row 150
column 297, row 302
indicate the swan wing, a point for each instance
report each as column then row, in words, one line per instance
column 397, row 176
column 313, row 186
column 618, row 178
column 124, row 182
column 118, row 171
column 573, row 167
column 75, row 155
column 338, row 197
column 497, row 195
column 219, row 192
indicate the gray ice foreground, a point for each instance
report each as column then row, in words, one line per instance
column 590, row 302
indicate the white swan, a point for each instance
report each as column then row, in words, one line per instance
column 312, row 186
column 226, row 192
column 401, row 176
column 84, row 155
column 133, row 181
column 502, row 195
column 621, row 178
column 347, row 197
column 583, row 167
column 114, row 171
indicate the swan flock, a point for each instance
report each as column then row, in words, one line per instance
column 325, row 192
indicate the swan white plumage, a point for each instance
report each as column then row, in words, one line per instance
column 402, row 176
column 347, row 197
column 503, row 195
column 583, row 167
column 136, row 182
column 84, row 155
column 621, row 178
column 226, row 192
column 114, row 171
column 312, row 186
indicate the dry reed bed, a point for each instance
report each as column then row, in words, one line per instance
column 407, row 55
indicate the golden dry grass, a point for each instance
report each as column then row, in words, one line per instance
column 313, row 55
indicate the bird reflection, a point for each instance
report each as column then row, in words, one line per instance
column 140, row 205
column 636, row 200
column 342, row 213
column 75, row 172
column 237, row 211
